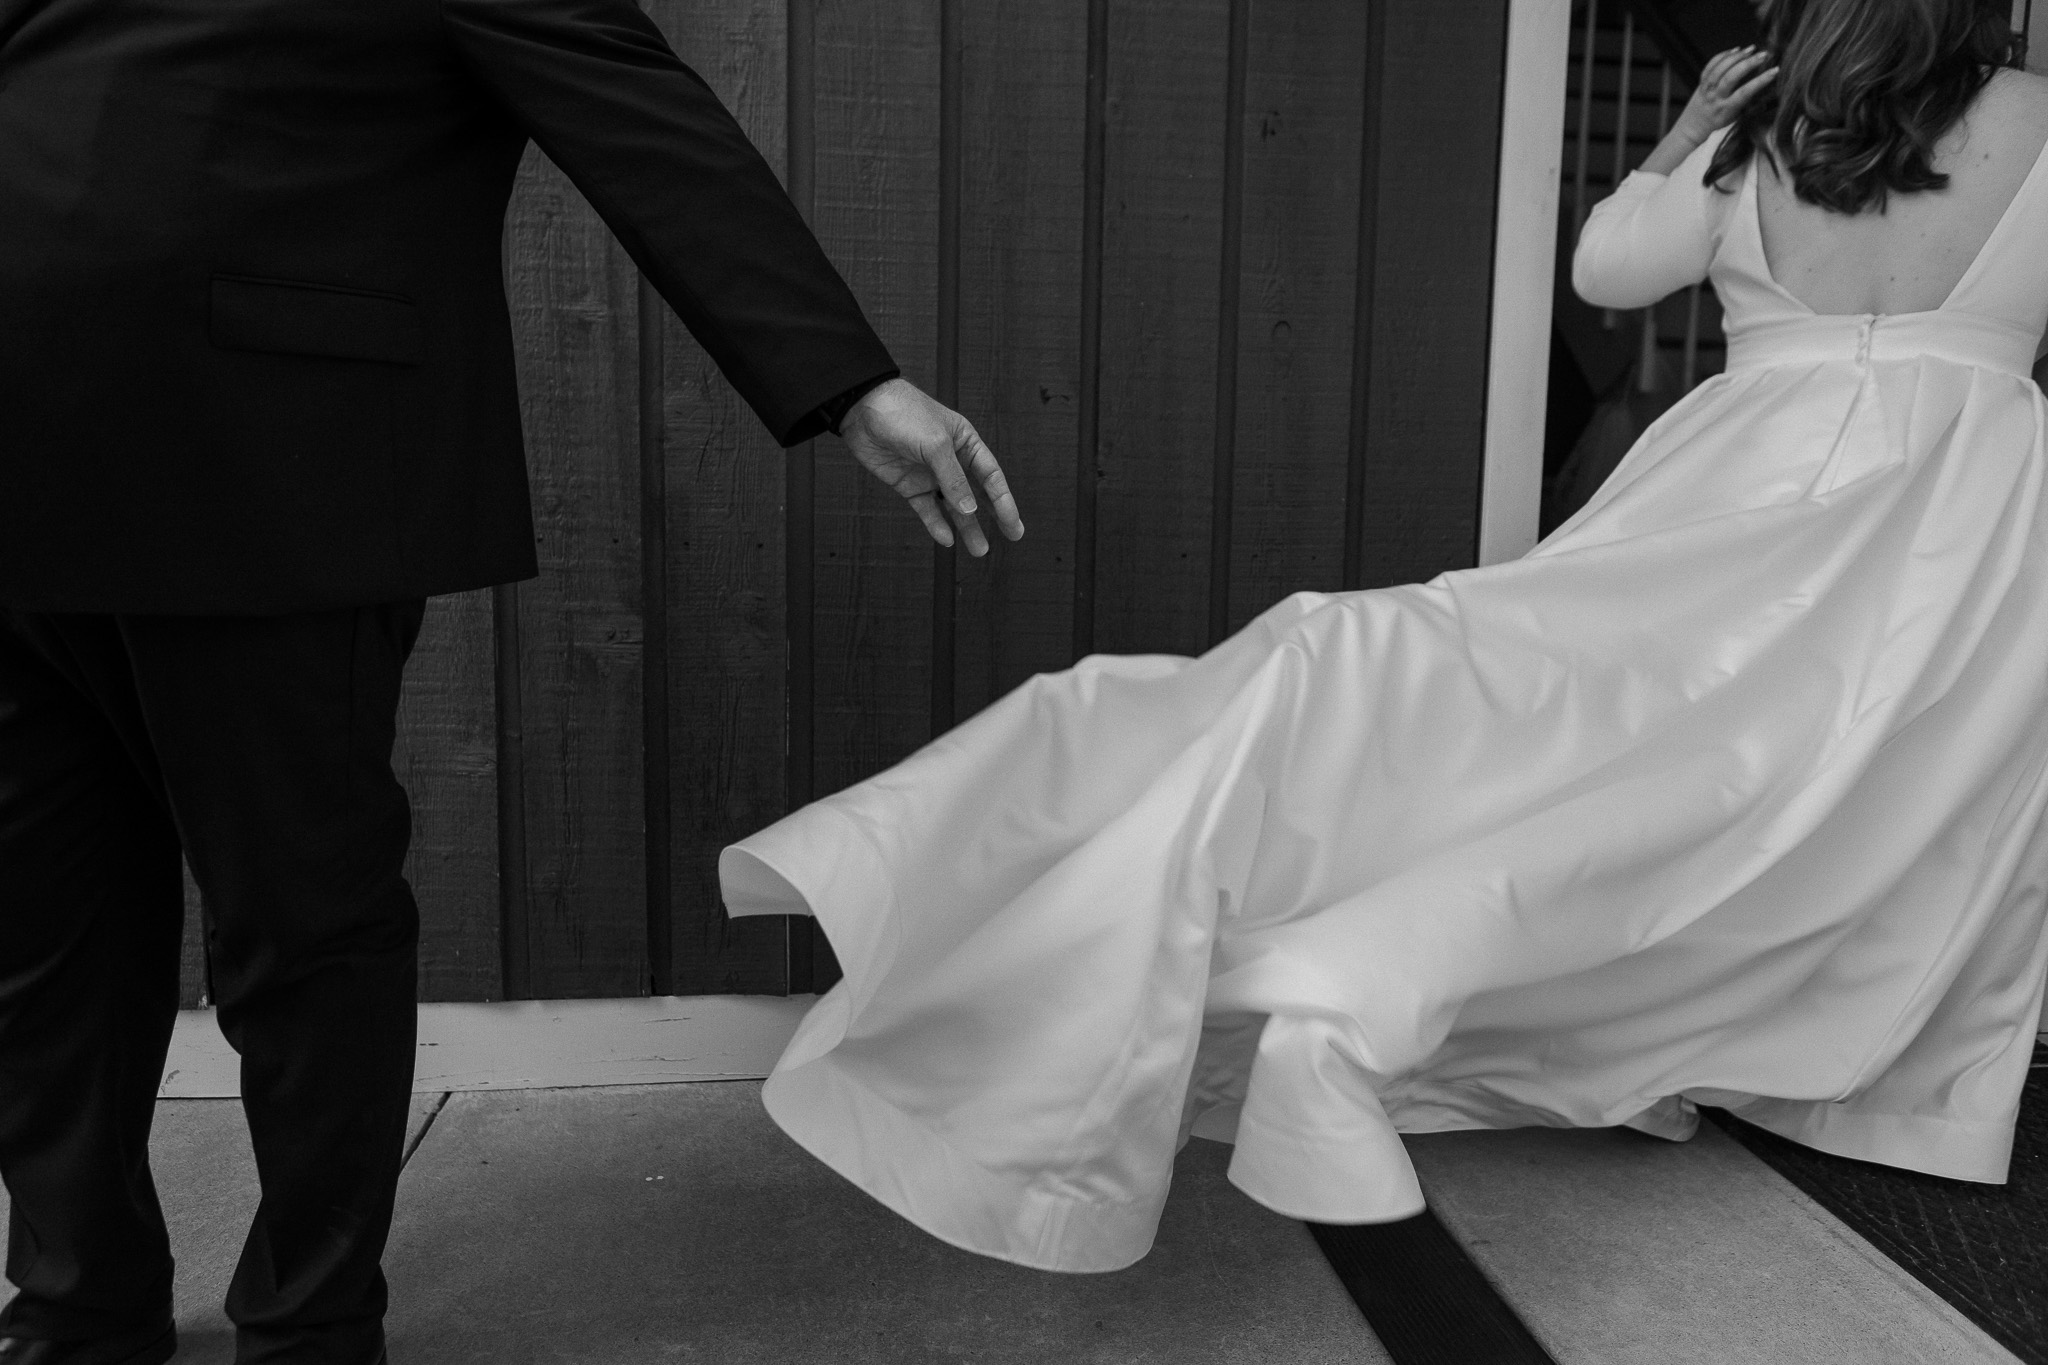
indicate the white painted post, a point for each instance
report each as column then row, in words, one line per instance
column 1524, row 257
column 1587, row 48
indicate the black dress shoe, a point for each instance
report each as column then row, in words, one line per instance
column 151, row 1347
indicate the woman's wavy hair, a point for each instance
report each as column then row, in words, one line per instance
column 1865, row 90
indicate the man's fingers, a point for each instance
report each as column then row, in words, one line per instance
column 970, row 533
column 926, row 505
column 924, row 444
column 953, row 485
column 982, row 461
column 948, row 526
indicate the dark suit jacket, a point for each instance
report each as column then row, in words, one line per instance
column 254, row 348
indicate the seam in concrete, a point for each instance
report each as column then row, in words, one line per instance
column 425, row 1128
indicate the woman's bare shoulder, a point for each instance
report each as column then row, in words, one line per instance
column 2006, row 126
column 2015, row 96
column 2021, row 84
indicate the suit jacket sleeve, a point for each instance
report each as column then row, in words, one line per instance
column 595, row 84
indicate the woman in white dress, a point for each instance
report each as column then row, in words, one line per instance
column 1730, row 792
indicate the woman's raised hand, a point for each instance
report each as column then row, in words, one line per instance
column 1731, row 80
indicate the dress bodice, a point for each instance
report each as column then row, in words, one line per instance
column 1659, row 233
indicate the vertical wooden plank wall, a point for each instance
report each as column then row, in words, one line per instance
column 876, row 211
column 447, row 758
column 727, row 655
column 1302, row 133
column 1163, row 203
column 1212, row 277
column 575, row 315
column 1022, row 188
column 192, row 990
column 1431, row 287
column 875, row 130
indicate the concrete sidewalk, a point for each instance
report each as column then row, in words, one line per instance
column 620, row 1225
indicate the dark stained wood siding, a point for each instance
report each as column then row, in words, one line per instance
column 727, row 652
column 447, row 758
column 192, row 953
column 575, row 314
column 875, row 130
column 1024, row 69
column 1304, row 119
column 1126, row 237
column 1162, row 243
column 1433, row 281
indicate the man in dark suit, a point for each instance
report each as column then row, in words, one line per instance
column 257, row 404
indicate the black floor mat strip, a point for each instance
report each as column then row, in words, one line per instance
column 1423, row 1297
column 1984, row 1248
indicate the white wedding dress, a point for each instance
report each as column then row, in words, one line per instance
column 1731, row 792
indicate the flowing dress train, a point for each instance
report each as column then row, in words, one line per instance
column 1729, row 792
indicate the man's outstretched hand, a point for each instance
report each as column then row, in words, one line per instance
column 917, row 445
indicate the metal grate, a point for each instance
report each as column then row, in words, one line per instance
column 1981, row 1247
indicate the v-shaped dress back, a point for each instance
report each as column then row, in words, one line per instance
column 1993, row 318
column 1731, row 791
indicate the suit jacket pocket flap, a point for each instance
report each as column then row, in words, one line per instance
column 288, row 318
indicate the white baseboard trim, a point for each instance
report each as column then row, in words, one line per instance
column 544, row 1044
column 550, row 1044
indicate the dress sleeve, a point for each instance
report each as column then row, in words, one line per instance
column 597, row 87
column 1653, row 235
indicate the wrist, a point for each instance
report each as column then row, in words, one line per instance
column 835, row 413
column 1693, row 129
column 878, row 397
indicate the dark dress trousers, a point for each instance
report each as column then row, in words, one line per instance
column 256, row 404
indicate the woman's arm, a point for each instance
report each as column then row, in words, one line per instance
column 1656, row 232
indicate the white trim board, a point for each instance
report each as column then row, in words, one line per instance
column 550, row 1044
column 544, row 1044
column 1524, row 260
